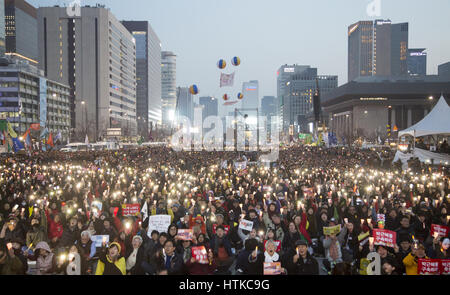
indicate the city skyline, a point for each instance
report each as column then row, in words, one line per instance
column 232, row 31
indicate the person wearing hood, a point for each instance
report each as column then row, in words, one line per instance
column 37, row 232
column 111, row 262
column 300, row 260
column 45, row 259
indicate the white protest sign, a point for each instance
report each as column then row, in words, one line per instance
column 159, row 223
column 98, row 240
column 246, row 225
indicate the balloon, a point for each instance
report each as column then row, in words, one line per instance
column 240, row 95
column 193, row 89
column 236, row 61
column 225, row 97
column 221, row 64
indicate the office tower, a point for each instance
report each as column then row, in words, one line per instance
column 269, row 109
column 28, row 97
column 210, row 107
column 148, row 75
column 2, row 28
column 377, row 48
column 298, row 97
column 96, row 56
column 185, row 104
column 21, row 30
column 417, row 61
column 169, row 86
column 360, row 49
column 250, row 90
column 444, row 70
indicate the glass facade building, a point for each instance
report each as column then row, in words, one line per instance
column 168, row 86
column 417, row 61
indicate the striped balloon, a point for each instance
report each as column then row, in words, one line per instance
column 193, row 89
column 240, row 95
column 236, row 61
column 225, row 97
column 221, row 64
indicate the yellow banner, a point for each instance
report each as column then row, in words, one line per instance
column 330, row 230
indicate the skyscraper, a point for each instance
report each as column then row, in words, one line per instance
column 185, row 104
column 250, row 90
column 95, row 55
column 2, row 27
column 169, row 86
column 417, row 61
column 377, row 48
column 210, row 107
column 298, row 97
column 148, row 75
column 21, row 30
column 269, row 109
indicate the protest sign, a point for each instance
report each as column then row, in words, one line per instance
column 363, row 238
column 441, row 229
column 384, row 237
column 185, row 234
column 160, row 223
column 246, row 225
column 277, row 244
column 130, row 209
column 200, row 254
column 428, row 266
column 98, row 240
column 330, row 230
column 226, row 227
column 267, row 188
column 272, row 268
column 445, row 267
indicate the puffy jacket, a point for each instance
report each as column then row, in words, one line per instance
column 308, row 266
column 410, row 263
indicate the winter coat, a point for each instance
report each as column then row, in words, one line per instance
column 44, row 264
column 307, row 266
column 200, row 269
column 410, row 263
column 278, row 229
column 105, row 266
column 54, row 229
column 69, row 237
column 11, row 266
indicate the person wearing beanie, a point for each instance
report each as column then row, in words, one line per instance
column 300, row 261
column 111, row 263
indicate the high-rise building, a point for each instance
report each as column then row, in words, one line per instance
column 185, row 104
column 21, row 30
column 417, row 61
column 298, row 96
column 148, row 75
column 444, row 70
column 269, row 109
column 169, row 86
column 28, row 97
column 95, row 55
column 2, row 28
column 210, row 107
column 377, row 48
column 360, row 49
column 250, row 90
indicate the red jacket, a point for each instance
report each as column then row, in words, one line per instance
column 54, row 229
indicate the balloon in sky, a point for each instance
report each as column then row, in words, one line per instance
column 236, row 61
column 225, row 97
column 193, row 89
column 240, row 95
column 221, row 64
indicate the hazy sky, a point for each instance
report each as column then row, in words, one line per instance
column 266, row 34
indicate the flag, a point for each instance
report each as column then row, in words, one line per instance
column 58, row 136
column 228, row 103
column 27, row 138
column 226, row 79
column 50, row 140
column 144, row 211
column 86, row 141
column 17, row 145
column 35, row 126
column 3, row 125
column 11, row 131
column 44, row 133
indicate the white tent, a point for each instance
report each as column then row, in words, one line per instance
column 436, row 122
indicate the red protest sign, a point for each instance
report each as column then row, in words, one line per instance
column 185, row 234
column 428, row 266
column 130, row 209
column 226, row 227
column 441, row 229
column 444, row 267
column 272, row 268
column 277, row 243
column 384, row 237
column 200, row 254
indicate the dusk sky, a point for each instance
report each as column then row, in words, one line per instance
column 266, row 34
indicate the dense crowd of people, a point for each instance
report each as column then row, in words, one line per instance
column 53, row 204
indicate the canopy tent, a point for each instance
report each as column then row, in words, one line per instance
column 423, row 156
column 436, row 122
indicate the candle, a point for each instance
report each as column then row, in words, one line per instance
column 362, row 221
column 346, row 220
column 369, row 220
column 371, row 240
